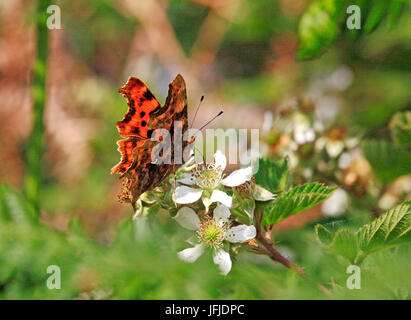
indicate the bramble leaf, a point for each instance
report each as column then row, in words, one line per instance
column 392, row 228
column 388, row 161
column 324, row 235
column 344, row 242
column 376, row 14
column 317, row 29
column 324, row 20
column 272, row 176
column 394, row 12
column 294, row 201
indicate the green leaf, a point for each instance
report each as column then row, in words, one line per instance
column 388, row 161
column 376, row 14
column 344, row 242
column 392, row 228
column 324, row 235
column 14, row 207
column 400, row 126
column 394, row 12
column 294, row 201
column 272, row 176
column 323, row 20
column 317, row 29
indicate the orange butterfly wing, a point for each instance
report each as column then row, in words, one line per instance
column 134, row 125
column 126, row 148
column 144, row 116
column 141, row 104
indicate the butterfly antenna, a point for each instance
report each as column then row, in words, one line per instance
column 203, row 126
column 198, row 107
column 211, row 120
column 192, row 139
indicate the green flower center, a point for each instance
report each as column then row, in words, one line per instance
column 211, row 233
column 208, row 173
column 208, row 176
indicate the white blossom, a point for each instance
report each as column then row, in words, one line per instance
column 211, row 232
column 206, row 180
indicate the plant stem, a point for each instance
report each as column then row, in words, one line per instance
column 361, row 258
column 275, row 255
column 267, row 247
column 35, row 143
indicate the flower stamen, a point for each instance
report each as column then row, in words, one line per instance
column 208, row 176
column 211, row 233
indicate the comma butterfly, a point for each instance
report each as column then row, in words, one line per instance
column 144, row 116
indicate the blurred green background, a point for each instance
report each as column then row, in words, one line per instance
column 58, row 202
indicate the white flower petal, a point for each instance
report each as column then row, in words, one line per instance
column 309, row 135
column 220, row 160
column 241, row 233
column 221, row 213
column 320, row 143
column 318, row 126
column 299, row 136
column 190, row 255
column 334, row 148
column 187, row 178
column 222, row 259
column 222, row 197
column 352, row 142
column 238, row 177
column 184, row 194
column 337, row 204
column 187, row 218
column 344, row 161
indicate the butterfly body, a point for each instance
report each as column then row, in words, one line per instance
column 144, row 116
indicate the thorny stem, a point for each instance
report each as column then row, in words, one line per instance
column 275, row 255
column 267, row 246
column 35, row 144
